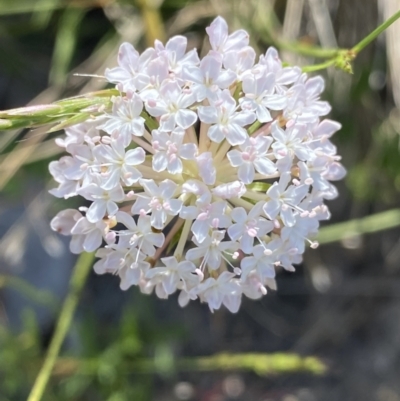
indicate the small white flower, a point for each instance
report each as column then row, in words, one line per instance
column 172, row 106
column 226, row 122
column 212, row 249
column 169, row 150
column 125, row 118
column 158, row 200
column 119, row 164
column 252, row 157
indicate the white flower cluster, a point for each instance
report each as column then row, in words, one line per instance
column 206, row 175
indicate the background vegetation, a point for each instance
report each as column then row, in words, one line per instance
column 331, row 330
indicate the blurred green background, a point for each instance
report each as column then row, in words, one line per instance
column 330, row 332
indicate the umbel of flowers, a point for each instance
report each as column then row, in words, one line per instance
column 205, row 176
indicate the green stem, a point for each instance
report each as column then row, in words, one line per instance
column 254, row 127
column 375, row 33
column 317, row 67
column 352, row 228
column 77, row 282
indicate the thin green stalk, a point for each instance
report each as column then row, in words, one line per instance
column 77, row 282
column 375, row 33
column 317, row 67
column 254, row 127
column 369, row 224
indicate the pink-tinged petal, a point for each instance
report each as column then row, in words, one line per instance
column 167, row 189
column 92, row 241
column 150, row 187
column 187, row 99
column 246, row 243
column 103, row 153
column 188, row 151
column 263, row 115
column 141, row 203
column 244, row 118
column 170, row 282
column 217, row 133
column 96, row 211
column 159, row 162
column 190, row 58
column 320, row 108
column 160, row 292
column 112, row 180
column 335, row 172
column 264, row 166
column 235, row 158
column 232, row 302
column 112, row 208
column 128, row 57
column 239, row 215
column 175, row 166
column 117, row 194
column 214, row 259
column 127, row 220
column 217, row 32
column 288, row 217
column 170, row 91
column 64, row 221
column 158, row 218
column 135, row 156
column 195, row 253
column 289, row 75
column 229, row 103
column 275, row 102
column 274, row 191
column 178, row 45
column 183, row 298
column 200, row 230
column 286, row 177
column 185, row 118
column 249, row 84
column 327, row 128
column 236, row 135
column 131, row 175
column 117, row 75
column 278, row 133
column 211, row 67
column 246, row 173
column 193, row 74
column 314, row 86
column 214, row 298
column 208, row 114
column 271, row 208
column 168, row 122
column 177, row 136
column 131, row 277
column 235, row 231
column 157, row 239
column 207, row 171
column 76, row 246
column 237, row 40
column 175, row 206
column 156, row 107
column 235, row 189
column 248, row 263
